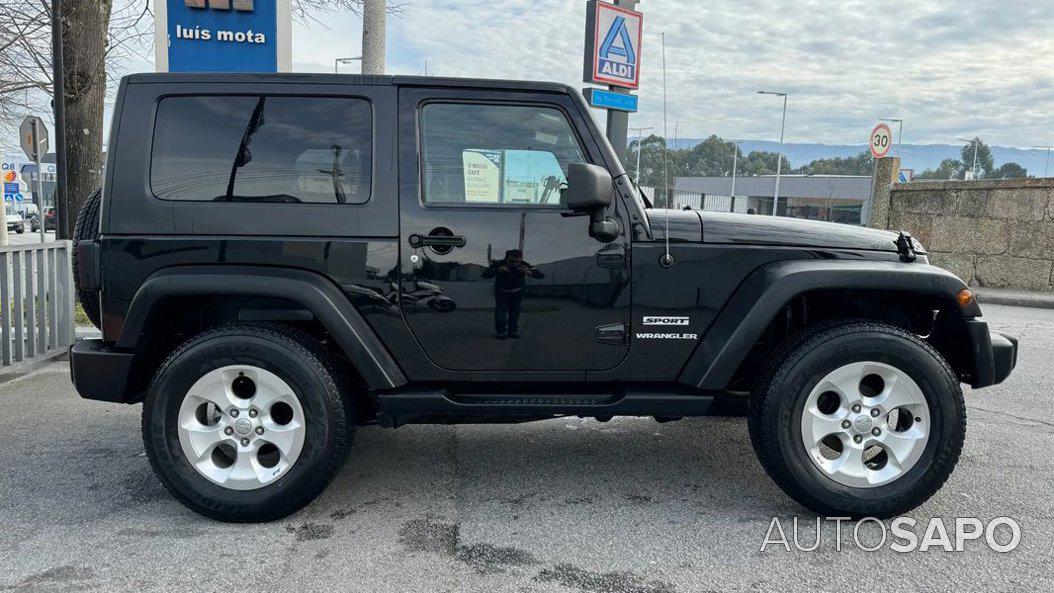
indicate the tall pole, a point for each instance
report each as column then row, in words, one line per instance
column 373, row 32
column 665, row 136
column 900, row 132
column 62, row 230
column 1046, row 163
column 735, row 161
column 38, row 186
column 640, row 132
column 779, row 160
column 779, row 157
column 617, row 128
column 976, row 142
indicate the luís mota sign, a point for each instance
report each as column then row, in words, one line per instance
column 223, row 36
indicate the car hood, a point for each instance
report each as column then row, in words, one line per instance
column 749, row 229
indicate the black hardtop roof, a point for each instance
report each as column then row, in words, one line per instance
column 320, row 78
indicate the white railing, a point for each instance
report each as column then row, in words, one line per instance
column 36, row 301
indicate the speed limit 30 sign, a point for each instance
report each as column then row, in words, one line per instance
column 881, row 141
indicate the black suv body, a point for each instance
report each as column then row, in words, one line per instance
column 444, row 250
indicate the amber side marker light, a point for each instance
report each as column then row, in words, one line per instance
column 965, row 297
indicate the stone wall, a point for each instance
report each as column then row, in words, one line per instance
column 995, row 234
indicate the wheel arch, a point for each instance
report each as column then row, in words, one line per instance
column 268, row 294
column 768, row 295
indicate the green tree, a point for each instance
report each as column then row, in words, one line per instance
column 861, row 164
column 712, row 157
column 984, row 165
column 763, row 162
column 1009, row 170
column 948, row 169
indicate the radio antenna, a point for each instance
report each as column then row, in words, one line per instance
column 667, row 260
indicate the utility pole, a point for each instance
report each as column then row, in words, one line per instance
column 1046, row 163
column 779, row 157
column 373, row 32
column 639, row 132
column 58, row 102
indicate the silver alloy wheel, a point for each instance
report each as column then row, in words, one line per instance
column 241, row 427
column 865, row 424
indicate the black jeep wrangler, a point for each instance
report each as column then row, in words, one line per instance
column 276, row 259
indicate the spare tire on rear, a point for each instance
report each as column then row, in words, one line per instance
column 87, row 229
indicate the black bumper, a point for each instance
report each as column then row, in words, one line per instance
column 995, row 354
column 100, row 372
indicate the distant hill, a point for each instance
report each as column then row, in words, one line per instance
column 914, row 156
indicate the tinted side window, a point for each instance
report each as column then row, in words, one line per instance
column 263, row 149
column 514, row 155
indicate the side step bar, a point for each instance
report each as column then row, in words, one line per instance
column 441, row 405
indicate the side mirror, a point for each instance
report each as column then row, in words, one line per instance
column 589, row 188
column 589, row 191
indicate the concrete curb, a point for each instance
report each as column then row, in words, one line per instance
column 1015, row 298
column 24, row 368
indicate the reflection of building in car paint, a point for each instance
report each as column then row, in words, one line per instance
column 834, row 198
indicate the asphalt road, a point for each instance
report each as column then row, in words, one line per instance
column 564, row 506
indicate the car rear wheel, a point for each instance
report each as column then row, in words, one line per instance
column 87, row 229
column 247, row 422
column 858, row 419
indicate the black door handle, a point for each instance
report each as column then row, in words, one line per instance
column 437, row 241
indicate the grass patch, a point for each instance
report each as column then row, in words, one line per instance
column 79, row 316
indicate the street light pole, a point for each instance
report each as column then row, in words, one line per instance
column 1046, row 163
column 779, row 157
column 338, row 61
column 735, row 161
column 639, row 132
column 975, row 141
column 900, row 132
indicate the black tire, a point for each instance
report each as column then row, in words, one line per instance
column 20, row 229
column 796, row 368
column 87, row 229
column 297, row 360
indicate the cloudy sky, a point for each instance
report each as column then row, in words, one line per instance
column 948, row 68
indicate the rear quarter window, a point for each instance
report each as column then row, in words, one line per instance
column 256, row 148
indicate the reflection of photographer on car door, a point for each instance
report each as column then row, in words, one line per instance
column 510, row 278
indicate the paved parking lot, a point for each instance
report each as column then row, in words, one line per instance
column 565, row 506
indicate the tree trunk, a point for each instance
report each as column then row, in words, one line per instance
column 373, row 36
column 84, row 34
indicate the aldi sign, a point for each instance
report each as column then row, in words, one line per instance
column 613, row 45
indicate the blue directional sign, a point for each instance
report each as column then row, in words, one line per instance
column 223, row 35
column 613, row 44
column 610, row 100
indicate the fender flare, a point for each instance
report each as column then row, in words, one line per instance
column 313, row 291
column 766, row 290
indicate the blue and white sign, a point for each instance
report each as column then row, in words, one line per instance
column 12, row 188
column 613, row 45
column 223, row 36
column 610, row 100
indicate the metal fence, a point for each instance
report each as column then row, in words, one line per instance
column 36, row 301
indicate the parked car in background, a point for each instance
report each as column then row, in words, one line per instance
column 14, row 220
column 49, row 219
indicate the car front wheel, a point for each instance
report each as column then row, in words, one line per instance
column 858, row 419
column 246, row 422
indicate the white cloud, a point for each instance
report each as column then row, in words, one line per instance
column 948, row 68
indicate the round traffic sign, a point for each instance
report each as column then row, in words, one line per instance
column 881, row 141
